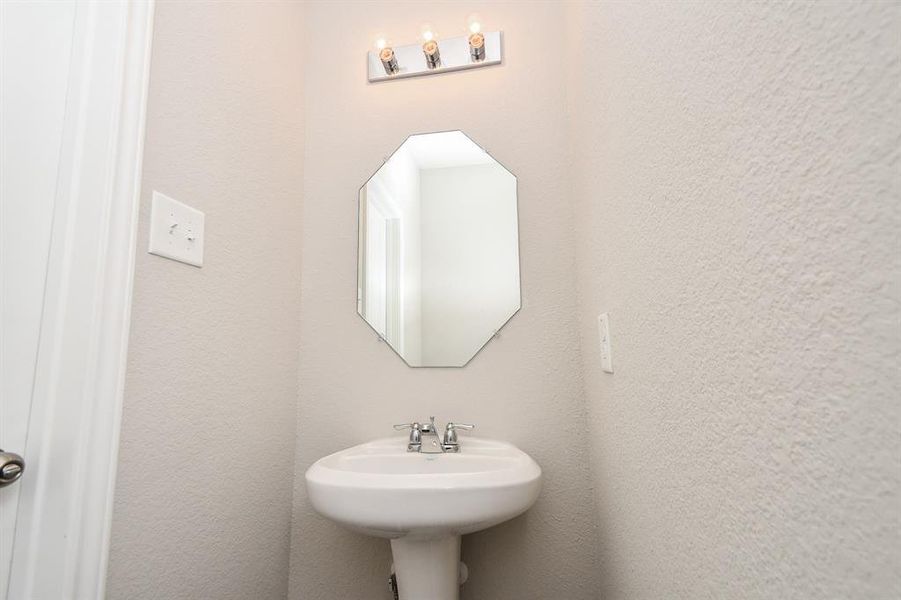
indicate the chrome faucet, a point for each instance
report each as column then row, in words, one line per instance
column 427, row 435
column 431, row 443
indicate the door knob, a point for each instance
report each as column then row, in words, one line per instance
column 11, row 467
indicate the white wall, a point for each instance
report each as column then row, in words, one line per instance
column 470, row 259
column 203, row 498
column 737, row 184
column 524, row 387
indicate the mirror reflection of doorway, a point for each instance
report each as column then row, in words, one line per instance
column 382, row 297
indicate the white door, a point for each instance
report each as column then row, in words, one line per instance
column 376, row 269
column 72, row 93
column 35, row 50
column 394, row 323
column 382, row 298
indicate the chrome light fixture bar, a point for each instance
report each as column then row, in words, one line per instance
column 456, row 54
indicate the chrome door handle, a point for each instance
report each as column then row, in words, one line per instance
column 11, row 467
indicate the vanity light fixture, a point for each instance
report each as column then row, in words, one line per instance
column 429, row 56
column 386, row 55
column 430, row 48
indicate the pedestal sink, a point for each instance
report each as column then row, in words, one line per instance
column 423, row 503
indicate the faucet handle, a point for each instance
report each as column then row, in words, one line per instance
column 415, row 442
column 450, row 436
column 465, row 426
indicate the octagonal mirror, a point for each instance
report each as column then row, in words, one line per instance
column 438, row 271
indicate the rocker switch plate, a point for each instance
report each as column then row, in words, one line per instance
column 604, row 333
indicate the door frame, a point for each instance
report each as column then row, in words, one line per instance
column 65, row 505
column 394, row 319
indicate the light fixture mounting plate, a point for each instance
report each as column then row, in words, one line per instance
column 454, row 57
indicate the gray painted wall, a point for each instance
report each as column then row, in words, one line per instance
column 524, row 387
column 723, row 179
column 203, row 499
column 737, row 186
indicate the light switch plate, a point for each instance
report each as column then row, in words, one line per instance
column 176, row 230
column 604, row 333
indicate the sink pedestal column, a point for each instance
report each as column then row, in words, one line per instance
column 427, row 568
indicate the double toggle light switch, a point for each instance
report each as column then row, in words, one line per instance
column 176, row 230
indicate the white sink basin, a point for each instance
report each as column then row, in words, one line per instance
column 424, row 502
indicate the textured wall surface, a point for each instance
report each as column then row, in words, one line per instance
column 203, row 500
column 523, row 387
column 723, row 179
column 737, row 206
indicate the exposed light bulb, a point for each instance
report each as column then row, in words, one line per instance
column 477, row 47
column 476, row 38
column 432, row 54
column 430, row 47
column 389, row 60
column 474, row 23
column 381, row 43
